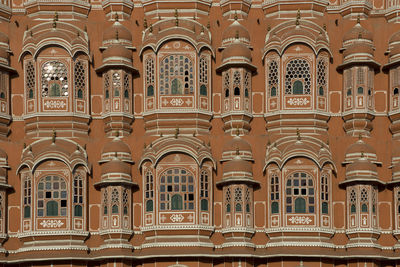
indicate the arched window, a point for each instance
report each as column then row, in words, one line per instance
column 300, row 193
column 360, row 90
column 116, row 83
column 236, row 83
column 228, row 199
column 176, row 75
column 30, row 77
column 353, row 201
column 54, row 79
column 125, row 202
column 105, row 201
column 204, row 191
column 203, row 75
column 298, row 88
column 298, row 77
column 246, row 84
column 27, row 197
column 79, row 79
column 396, row 91
column 177, row 186
column 52, row 196
column 321, row 76
column 364, row 200
column 115, row 201
column 238, row 199
column 149, row 192
column 349, row 92
column 274, row 193
column 273, row 78
column 226, row 84
column 107, row 85
column 149, row 76
column 78, row 195
column 324, row 194
column 126, row 86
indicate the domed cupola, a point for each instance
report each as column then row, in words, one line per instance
column 358, row 47
column 233, row 32
column 116, row 148
column 236, row 69
column 237, row 170
column 124, row 35
column 358, row 68
column 117, row 71
column 355, row 150
column 393, row 68
column 5, row 73
column 362, row 183
column 238, row 186
column 362, row 170
column 237, row 144
column 116, row 190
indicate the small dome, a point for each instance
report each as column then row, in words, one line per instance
column 358, row 32
column 117, row 29
column 116, row 148
column 116, row 166
column 355, row 150
column 361, row 170
column 117, row 51
column 238, row 165
column 235, row 31
column 395, row 38
column 236, row 50
column 359, row 48
column 395, row 51
column 4, row 38
column 3, row 154
column 116, row 145
column 237, row 144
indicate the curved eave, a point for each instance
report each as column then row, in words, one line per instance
column 123, row 160
column 282, row 161
column 372, row 63
column 390, row 65
column 34, row 49
column 8, row 69
column 155, row 158
column 107, row 182
column 238, row 180
column 280, row 47
column 155, row 46
column 108, row 66
column 228, row 65
column 6, row 186
column 358, row 180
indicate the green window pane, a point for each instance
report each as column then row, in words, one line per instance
column 203, row 90
column 27, row 212
column 204, row 204
column 176, row 202
column 52, row 208
column 300, row 205
column 78, row 211
column 114, row 209
column 324, row 208
column 274, row 207
column 298, row 88
column 150, row 90
column 149, row 205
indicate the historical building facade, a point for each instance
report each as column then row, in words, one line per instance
column 200, row 133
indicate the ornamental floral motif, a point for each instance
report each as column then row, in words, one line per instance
column 177, row 217
column 51, row 223
column 300, row 220
column 298, row 101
